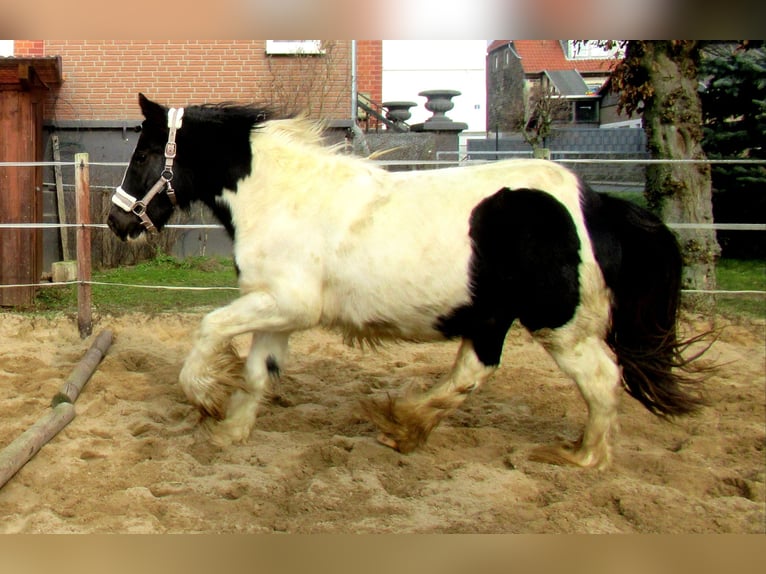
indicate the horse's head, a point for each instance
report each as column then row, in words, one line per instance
column 146, row 198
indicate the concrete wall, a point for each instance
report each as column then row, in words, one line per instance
column 111, row 144
column 595, row 143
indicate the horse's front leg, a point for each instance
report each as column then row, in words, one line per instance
column 212, row 374
column 267, row 356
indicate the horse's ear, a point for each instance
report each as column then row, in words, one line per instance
column 152, row 111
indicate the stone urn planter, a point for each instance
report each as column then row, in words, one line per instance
column 439, row 102
column 398, row 111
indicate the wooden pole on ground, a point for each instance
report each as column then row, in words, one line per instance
column 84, row 369
column 82, row 198
column 21, row 450
column 62, row 411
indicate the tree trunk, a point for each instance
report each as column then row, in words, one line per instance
column 679, row 193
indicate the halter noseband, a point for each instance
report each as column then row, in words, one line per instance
column 127, row 202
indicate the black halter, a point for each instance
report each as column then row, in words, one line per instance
column 127, row 202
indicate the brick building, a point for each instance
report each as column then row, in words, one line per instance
column 102, row 78
column 94, row 108
column 514, row 67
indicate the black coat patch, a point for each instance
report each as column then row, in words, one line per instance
column 524, row 266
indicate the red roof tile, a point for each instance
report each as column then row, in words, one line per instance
column 540, row 55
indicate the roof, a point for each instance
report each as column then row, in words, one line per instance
column 568, row 82
column 21, row 71
column 538, row 56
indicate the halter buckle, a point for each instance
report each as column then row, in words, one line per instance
column 139, row 208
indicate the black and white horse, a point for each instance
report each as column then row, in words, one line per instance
column 323, row 238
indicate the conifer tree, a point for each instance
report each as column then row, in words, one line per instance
column 733, row 95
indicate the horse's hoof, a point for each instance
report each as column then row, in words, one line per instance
column 223, row 435
column 568, row 454
column 387, row 441
column 399, row 429
column 209, row 382
column 560, row 455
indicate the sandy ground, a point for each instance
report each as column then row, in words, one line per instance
column 134, row 460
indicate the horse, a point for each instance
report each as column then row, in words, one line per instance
column 324, row 238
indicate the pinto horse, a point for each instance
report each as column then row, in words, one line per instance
column 324, row 238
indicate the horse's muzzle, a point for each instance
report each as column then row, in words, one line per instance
column 124, row 225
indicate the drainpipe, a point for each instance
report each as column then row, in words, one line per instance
column 353, row 83
column 358, row 140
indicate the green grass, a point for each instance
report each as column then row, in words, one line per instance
column 163, row 270
column 636, row 197
column 742, row 275
column 215, row 271
column 731, row 275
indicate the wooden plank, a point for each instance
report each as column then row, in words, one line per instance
column 25, row 76
column 60, row 203
column 19, row 202
column 38, row 98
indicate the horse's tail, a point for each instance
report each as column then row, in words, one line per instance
column 642, row 265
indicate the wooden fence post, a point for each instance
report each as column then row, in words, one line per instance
column 82, row 201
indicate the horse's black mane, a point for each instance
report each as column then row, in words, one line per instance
column 214, row 151
column 230, row 113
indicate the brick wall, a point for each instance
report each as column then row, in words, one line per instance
column 29, row 48
column 102, row 78
column 369, row 68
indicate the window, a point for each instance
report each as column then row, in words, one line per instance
column 294, row 47
column 6, row 47
column 591, row 50
column 586, row 111
column 594, row 87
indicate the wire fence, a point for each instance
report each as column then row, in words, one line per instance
column 84, row 278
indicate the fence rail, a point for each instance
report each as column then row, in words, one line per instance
column 84, row 225
column 708, row 226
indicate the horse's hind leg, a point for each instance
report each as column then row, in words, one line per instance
column 406, row 421
column 590, row 362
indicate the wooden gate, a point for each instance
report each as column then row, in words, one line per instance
column 24, row 86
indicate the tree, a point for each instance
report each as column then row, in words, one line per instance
column 660, row 79
column 530, row 111
column 543, row 107
column 308, row 82
column 733, row 95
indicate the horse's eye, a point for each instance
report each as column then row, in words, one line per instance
column 140, row 156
